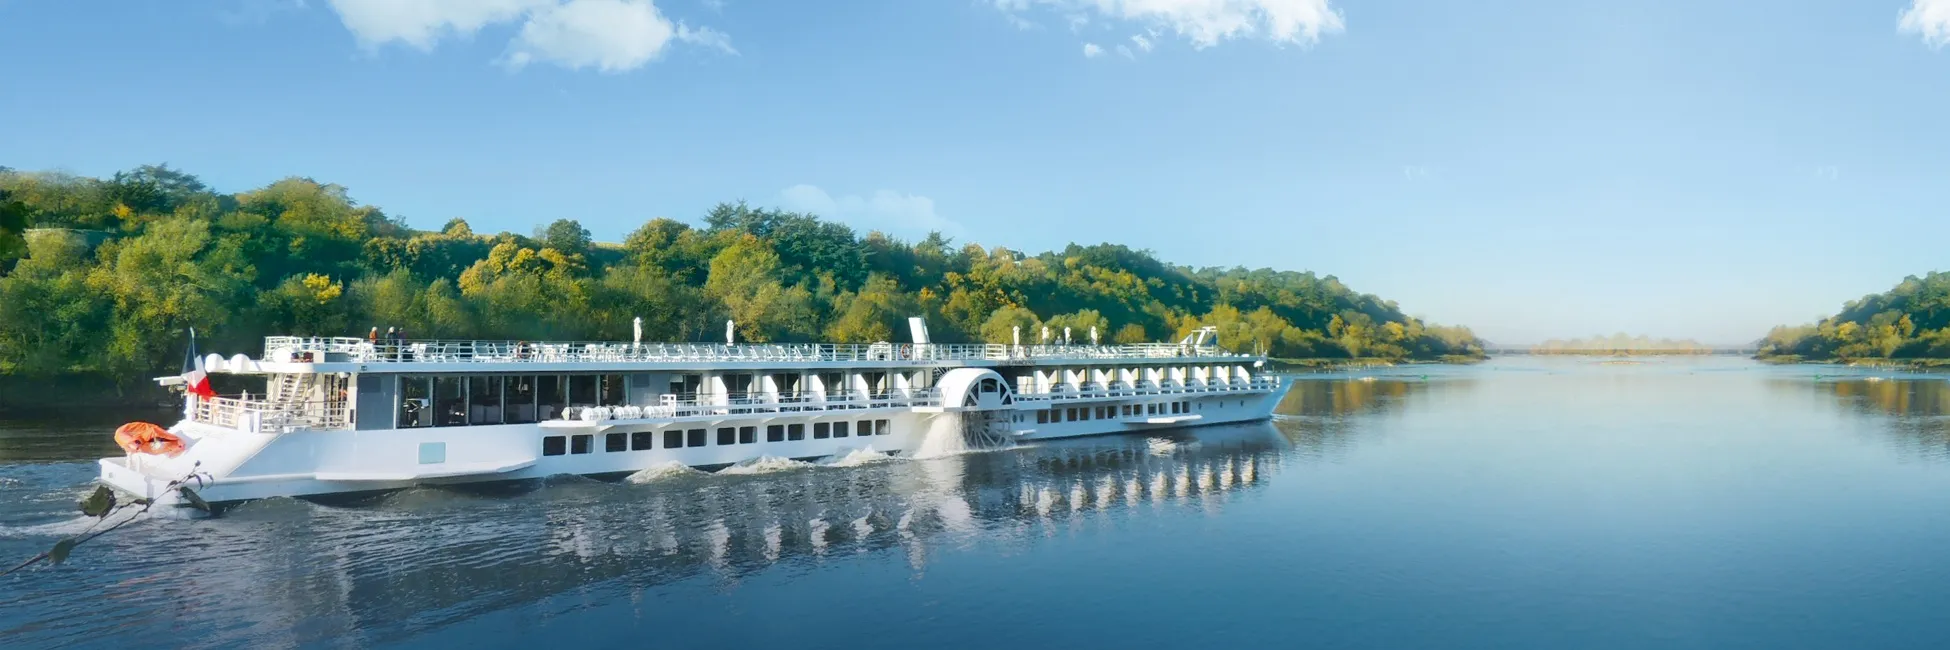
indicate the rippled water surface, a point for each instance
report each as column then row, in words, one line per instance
column 1521, row 503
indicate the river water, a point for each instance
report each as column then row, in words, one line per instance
column 1520, row 503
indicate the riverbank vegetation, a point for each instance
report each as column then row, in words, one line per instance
column 1909, row 323
column 1621, row 344
column 101, row 278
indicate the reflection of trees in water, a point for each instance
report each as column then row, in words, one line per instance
column 1324, row 418
column 1914, row 409
column 425, row 558
column 1342, row 397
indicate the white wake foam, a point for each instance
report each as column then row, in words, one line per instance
column 765, row 465
column 663, row 471
column 857, row 458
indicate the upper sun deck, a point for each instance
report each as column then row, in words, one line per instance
column 464, row 355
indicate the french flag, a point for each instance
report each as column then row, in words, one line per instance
column 194, row 379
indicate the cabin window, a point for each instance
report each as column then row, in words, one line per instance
column 839, row 429
column 1072, row 414
column 643, row 440
column 795, row 432
column 551, row 396
column 747, row 435
column 415, row 404
column 612, row 393
column 775, row 433
column 673, row 439
column 1042, row 417
column 727, row 436
column 694, row 437
column 822, row 430
column 518, row 394
column 865, row 428
column 554, row 445
column 581, row 444
column 880, row 427
column 582, row 390
column 484, row 400
column 615, row 442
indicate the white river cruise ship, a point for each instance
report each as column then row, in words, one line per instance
column 348, row 415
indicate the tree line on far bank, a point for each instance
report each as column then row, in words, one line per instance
column 102, row 278
column 1621, row 343
column 1910, row 321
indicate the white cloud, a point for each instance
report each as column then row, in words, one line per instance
column 706, row 37
column 1091, row 51
column 897, row 213
column 1209, row 22
column 1929, row 19
column 1142, row 42
column 1125, row 52
column 608, row 35
column 422, row 23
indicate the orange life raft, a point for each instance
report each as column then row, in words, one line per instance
column 146, row 438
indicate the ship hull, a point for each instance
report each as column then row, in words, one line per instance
column 235, row 467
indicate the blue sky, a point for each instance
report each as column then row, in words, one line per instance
column 1688, row 168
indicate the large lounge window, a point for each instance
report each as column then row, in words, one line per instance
column 643, row 440
column 747, row 435
column 775, row 433
column 612, row 391
column 673, row 439
column 839, row 429
column 795, row 432
column 519, row 393
column 484, row 400
column 694, row 438
column 449, row 404
column 822, row 430
column 582, row 390
column 551, row 396
column 727, row 436
column 416, row 402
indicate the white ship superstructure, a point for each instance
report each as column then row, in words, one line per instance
column 343, row 415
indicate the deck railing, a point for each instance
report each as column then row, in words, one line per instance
column 1148, row 389
column 259, row 416
column 292, row 348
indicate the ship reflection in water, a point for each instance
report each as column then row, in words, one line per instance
column 384, row 571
